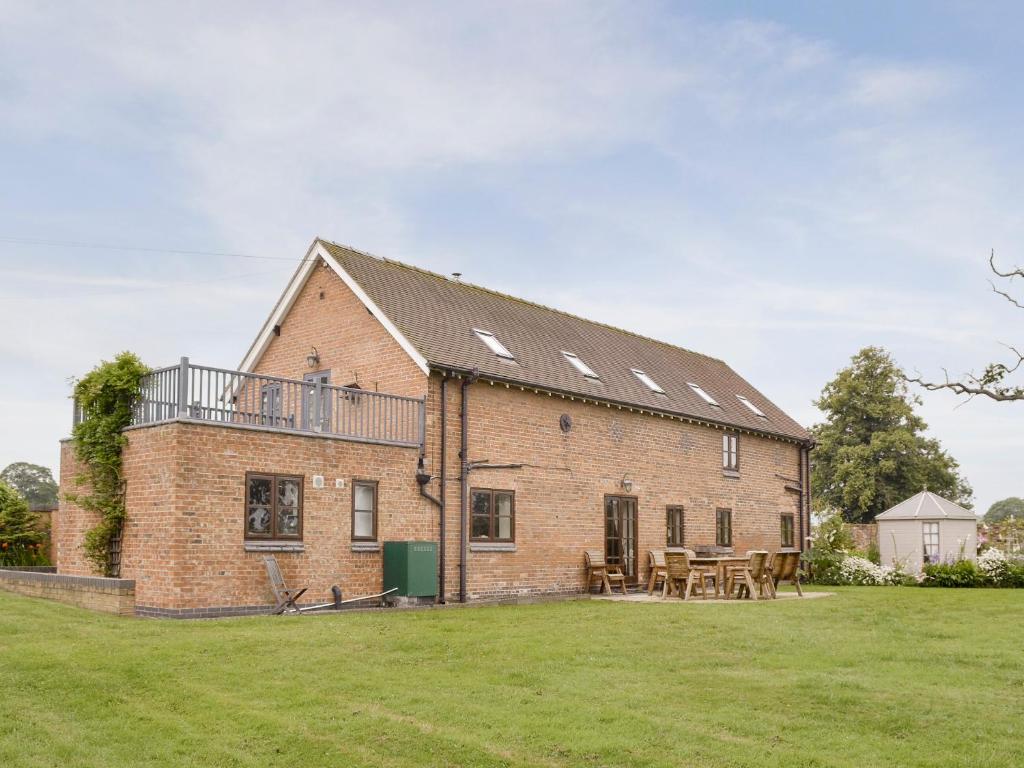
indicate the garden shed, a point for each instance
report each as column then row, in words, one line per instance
column 926, row 528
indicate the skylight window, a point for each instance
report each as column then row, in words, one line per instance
column 704, row 395
column 493, row 344
column 756, row 411
column 648, row 381
column 580, row 366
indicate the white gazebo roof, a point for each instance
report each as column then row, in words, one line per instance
column 927, row 506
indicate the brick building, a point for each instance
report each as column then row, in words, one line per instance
column 383, row 402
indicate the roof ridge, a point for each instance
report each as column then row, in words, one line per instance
column 521, row 300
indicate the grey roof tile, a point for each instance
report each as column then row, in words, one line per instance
column 437, row 315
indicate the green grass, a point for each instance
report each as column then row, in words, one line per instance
column 870, row 677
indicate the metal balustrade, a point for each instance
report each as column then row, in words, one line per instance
column 217, row 395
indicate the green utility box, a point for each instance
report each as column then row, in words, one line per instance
column 412, row 567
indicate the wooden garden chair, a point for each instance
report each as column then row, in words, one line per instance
column 748, row 577
column 786, row 567
column 680, row 572
column 658, row 570
column 285, row 597
column 606, row 574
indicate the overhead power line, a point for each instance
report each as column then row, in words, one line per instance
column 140, row 249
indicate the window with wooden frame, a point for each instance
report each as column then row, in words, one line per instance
column 787, row 530
column 493, row 515
column 730, row 452
column 273, row 506
column 723, row 527
column 674, row 525
column 364, row 510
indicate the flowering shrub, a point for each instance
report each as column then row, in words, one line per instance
column 858, row 570
column 995, row 565
column 962, row 573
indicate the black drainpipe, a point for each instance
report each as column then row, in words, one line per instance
column 423, row 478
column 464, row 477
column 444, row 484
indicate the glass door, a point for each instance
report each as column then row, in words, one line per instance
column 309, row 410
column 620, row 525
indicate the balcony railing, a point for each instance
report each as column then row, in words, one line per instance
column 216, row 395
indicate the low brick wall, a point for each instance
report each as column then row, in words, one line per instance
column 92, row 592
column 864, row 535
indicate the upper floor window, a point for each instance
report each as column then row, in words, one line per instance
column 650, row 383
column 674, row 523
column 930, row 535
column 580, row 366
column 364, row 510
column 273, row 506
column 493, row 344
column 731, row 453
column 723, row 527
column 787, row 530
column 753, row 408
column 703, row 395
column 493, row 514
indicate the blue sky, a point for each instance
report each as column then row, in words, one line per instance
column 776, row 184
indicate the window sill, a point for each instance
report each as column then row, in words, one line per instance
column 366, row 546
column 274, row 546
column 492, row 546
column 732, row 474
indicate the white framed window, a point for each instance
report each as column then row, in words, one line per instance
column 579, row 365
column 703, row 395
column 753, row 408
column 493, row 344
column 650, row 383
column 930, row 542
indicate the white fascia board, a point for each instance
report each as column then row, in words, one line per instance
column 284, row 304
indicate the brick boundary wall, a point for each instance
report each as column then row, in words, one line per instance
column 864, row 534
column 96, row 593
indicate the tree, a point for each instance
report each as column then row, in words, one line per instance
column 871, row 449
column 992, row 383
column 32, row 481
column 1004, row 509
column 19, row 527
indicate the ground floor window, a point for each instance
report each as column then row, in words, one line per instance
column 930, row 534
column 364, row 510
column 787, row 530
column 723, row 527
column 493, row 514
column 674, row 523
column 273, row 506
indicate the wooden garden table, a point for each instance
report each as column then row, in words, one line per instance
column 720, row 562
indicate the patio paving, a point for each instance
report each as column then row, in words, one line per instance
column 643, row 597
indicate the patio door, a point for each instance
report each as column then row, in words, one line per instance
column 620, row 534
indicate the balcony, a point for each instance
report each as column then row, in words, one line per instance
column 197, row 393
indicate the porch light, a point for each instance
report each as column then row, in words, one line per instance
column 313, row 358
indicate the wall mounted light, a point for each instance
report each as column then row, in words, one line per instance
column 627, row 483
column 313, row 358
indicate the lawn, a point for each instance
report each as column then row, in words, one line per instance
column 870, row 677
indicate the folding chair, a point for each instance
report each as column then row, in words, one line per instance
column 285, row 597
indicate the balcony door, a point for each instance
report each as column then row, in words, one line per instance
column 620, row 523
column 309, row 410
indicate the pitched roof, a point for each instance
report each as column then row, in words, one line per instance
column 926, row 506
column 438, row 317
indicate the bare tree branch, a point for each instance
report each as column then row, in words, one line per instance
column 986, row 385
column 990, row 383
column 1015, row 272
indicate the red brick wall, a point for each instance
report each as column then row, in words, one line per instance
column 561, row 488
column 183, row 538
column 353, row 345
